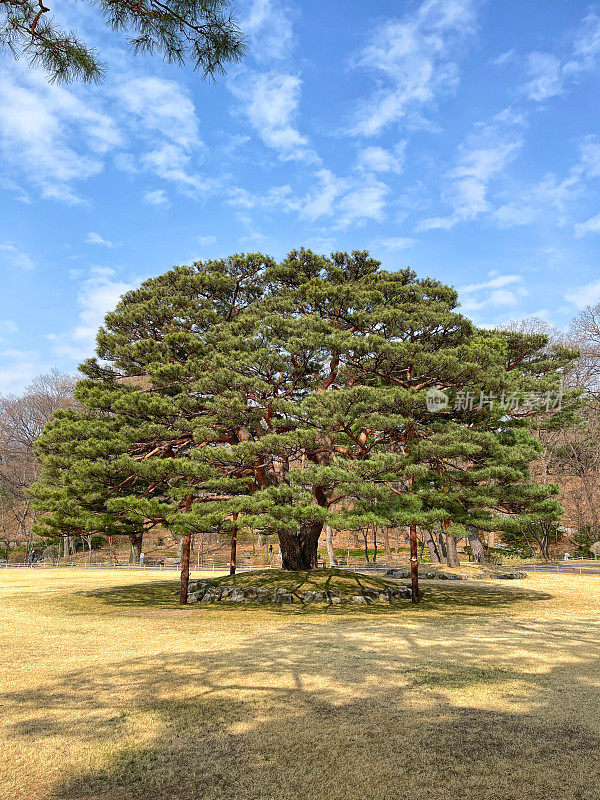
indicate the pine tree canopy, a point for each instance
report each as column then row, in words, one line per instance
column 201, row 33
column 292, row 395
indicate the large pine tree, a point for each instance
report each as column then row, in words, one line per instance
column 286, row 397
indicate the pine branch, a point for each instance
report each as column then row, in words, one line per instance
column 201, row 33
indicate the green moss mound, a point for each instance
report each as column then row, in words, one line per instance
column 318, row 580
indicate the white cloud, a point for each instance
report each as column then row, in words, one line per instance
column 52, row 135
column 492, row 294
column 350, row 200
column 502, row 297
column 321, row 201
column 268, row 24
column 510, row 215
column 482, row 157
column 171, row 162
column 321, row 244
column 157, row 197
column 18, row 368
column 591, row 225
column 377, row 159
column 166, row 121
column 7, row 326
column 15, row 258
column 205, row 241
column 270, row 101
column 481, row 184
column 13, row 186
column 95, row 238
column 583, row 296
column 58, row 137
column 545, row 75
column 589, row 162
column 416, row 57
column 252, row 234
column 361, row 203
column 162, row 107
column 549, row 75
column 98, row 295
column 275, row 197
column 548, row 196
column 504, row 58
column 552, row 196
column 394, row 243
column 586, row 45
column 495, row 282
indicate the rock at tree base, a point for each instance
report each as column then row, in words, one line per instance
column 509, row 575
column 207, row 592
column 398, row 573
column 454, row 576
column 283, row 597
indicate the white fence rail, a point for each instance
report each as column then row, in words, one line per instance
column 135, row 567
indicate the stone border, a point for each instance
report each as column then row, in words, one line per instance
column 203, row 591
column 453, row 576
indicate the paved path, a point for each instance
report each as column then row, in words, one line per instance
column 563, row 568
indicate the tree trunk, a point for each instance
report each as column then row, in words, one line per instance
column 452, row 553
column 136, row 547
column 386, row 543
column 330, row 551
column 185, row 568
column 299, row 551
column 432, row 546
column 365, row 534
column 477, row 550
column 232, row 559
column 414, row 565
column 441, row 543
column 414, row 561
column 374, row 543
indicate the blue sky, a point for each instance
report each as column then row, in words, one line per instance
column 460, row 137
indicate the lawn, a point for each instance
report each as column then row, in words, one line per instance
column 109, row 690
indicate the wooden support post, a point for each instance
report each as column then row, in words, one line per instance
column 414, row 559
column 414, row 565
column 185, row 568
column 232, row 560
column 185, row 559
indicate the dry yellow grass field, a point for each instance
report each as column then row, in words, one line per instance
column 110, row 691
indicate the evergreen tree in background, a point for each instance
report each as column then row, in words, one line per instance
column 284, row 397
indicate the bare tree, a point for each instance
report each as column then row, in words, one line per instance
column 331, row 557
column 585, row 334
column 22, row 420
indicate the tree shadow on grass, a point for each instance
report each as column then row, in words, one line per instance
column 343, row 712
column 456, row 598
column 157, row 594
